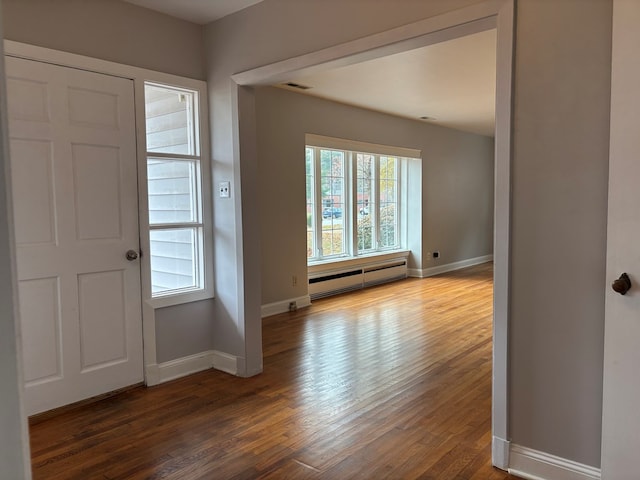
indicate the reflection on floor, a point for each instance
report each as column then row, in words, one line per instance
column 389, row 382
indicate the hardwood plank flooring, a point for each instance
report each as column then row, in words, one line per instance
column 392, row 382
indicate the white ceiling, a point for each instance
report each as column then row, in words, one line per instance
column 196, row 11
column 452, row 83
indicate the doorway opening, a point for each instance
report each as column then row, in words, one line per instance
column 453, row 25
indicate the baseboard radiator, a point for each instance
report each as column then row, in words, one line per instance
column 340, row 281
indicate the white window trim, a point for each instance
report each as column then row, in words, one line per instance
column 202, row 138
column 349, row 215
column 139, row 77
column 319, row 207
column 201, row 154
column 314, row 140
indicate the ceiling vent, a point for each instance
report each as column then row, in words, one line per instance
column 296, row 85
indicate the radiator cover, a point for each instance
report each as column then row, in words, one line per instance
column 340, row 281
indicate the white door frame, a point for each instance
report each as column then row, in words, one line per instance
column 139, row 77
column 15, row 455
column 497, row 14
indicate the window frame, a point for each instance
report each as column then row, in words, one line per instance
column 350, row 209
column 320, row 206
column 202, row 226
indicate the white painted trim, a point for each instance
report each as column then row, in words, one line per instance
column 505, row 23
column 226, row 362
column 535, row 465
column 151, row 375
column 457, row 23
column 283, row 305
column 363, row 261
column 322, row 141
column 202, row 140
column 414, row 273
column 181, row 367
column 449, row 267
column 139, row 76
column 15, row 455
column 500, row 452
column 66, row 59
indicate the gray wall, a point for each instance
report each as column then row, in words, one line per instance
column 14, row 442
column 183, row 330
column 562, row 70
column 455, row 193
column 275, row 30
column 559, row 187
column 457, row 185
column 124, row 33
column 109, row 30
column 560, row 170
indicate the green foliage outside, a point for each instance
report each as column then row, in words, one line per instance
column 331, row 180
column 387, row 229
column 331, row 240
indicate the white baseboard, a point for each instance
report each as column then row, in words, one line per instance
column 283, row 305
column 500, row 453
column 534, row 465
column 181, row 367
column 414, row 272
column 151, row 375
column 225, row 362
column 449, row 267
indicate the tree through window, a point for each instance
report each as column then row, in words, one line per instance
column 352, row 201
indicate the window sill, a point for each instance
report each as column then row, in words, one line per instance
column 179, row 298
column 324, row 266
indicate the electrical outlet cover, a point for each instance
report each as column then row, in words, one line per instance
column 225, row 189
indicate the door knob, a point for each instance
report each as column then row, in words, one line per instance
column 131, row 255
column 622, row 284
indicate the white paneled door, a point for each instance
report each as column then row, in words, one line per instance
column 74, row 178
column 621, row 421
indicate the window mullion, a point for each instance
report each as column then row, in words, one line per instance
column 317, row 199
column 191, row 123
column 197, row 188
column 398, row 216
column 172, row 156
column 353, row 202
column 170, row 226
column 375, row 231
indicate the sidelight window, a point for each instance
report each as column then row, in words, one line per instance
column 175, row 192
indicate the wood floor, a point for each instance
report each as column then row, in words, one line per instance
column 392, row 382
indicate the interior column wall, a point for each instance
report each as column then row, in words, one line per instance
column 559, row 218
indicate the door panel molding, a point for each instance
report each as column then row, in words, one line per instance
column 80, row 298
column 139, row 76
